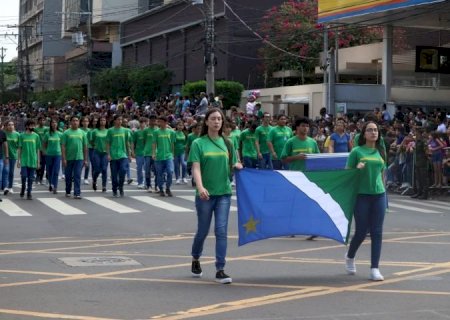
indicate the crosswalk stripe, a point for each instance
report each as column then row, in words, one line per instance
column 61, row 207
column 192, row 199
column 161, row 204
column 11, row 209
column 111, row 205
column 395, row 205
column 426, row 204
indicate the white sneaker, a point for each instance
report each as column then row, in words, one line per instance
column 375, row 275
column 233, row 184
column 185, row 181
column 350, row 266
column 178, row 181
column 140, row 186
column 86, row 181
column 11, row 190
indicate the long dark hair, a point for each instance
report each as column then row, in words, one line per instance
column 362, row 139
column 51, row 130
column 205, row 127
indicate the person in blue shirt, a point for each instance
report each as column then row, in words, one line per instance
column 339, row 140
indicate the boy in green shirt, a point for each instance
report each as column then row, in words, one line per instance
column 149, row 161
column 74, row 151
column 119, row 154
column 12, row 137
column 247, row 146
column 278, row 136
column 41, row 129
column 262, row 133
column 163, row 150
column 28, row 157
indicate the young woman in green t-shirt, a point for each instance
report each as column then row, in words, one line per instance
column 179, row 160
column 369, row 157
column 12, row 136
column 52, row 149
column 212, row 157
column 100, row 157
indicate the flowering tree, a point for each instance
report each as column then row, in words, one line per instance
column 293, row 27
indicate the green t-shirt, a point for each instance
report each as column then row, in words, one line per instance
column 88, row 132
column 98, row 138
column 214, row 164
column 248, row 144
column 371, row 181
column 235, row 136
column 262, row 133
column 164, row 141
column 75, row 141
column 278, row 136
column 295, row 146
column 41, row 131
column 149, row 138
column 53, row 142
column 180, row 142
column 190, row 138
column 139, row 142
column 13, row 143
column 118, row 141
column 29, row 143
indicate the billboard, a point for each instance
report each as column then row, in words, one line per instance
column 332, row 10
column 433, row 59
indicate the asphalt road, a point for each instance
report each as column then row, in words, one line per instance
column 141, row 244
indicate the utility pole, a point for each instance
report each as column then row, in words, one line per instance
column 89, row 49
column 2, row 57
column 209, row 50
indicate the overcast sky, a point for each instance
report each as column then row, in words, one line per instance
column 9, row 15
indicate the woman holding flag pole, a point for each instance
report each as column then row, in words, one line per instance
column 369, row 157
column 213, row 157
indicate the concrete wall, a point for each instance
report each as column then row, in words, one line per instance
column 52, row 44
column 113, row 10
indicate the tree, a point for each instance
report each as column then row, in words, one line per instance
column 231, row 91
column 147, row 83
column 112, row 83
column 293, row 27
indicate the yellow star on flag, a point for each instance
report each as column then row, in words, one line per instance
column 250, row 226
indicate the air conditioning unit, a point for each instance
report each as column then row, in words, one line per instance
column 78, row 38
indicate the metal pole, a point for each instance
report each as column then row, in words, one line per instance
column 2, row 57
column 89, row 49
column 325, row 68
column 209, row 54
column 331, row 83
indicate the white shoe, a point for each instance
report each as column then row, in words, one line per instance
column 86, row 181
column 350, row 266
column 178, row 181
column 11, row 190
column 375, row 275
column 233, row 184
column 140, row 186
column 185, row 181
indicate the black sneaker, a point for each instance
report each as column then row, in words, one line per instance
column 222, row 277
column 55, row 191
column 122, row 194
column 310, row 238
column 162, row 194
column 104, row 189
column 115, row 195
column 6, row 191
column 50, row 188
column 29, row 196
column 94, row 186
column 130, row 181
column 169, row 193
column 196, row 269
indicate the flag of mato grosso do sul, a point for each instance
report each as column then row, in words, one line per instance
column 282, row 203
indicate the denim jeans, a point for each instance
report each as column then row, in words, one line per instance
column 8, row 174
column 180, row 161
column 149, row 167
column 27, row 176
column 118, row 172
column 164, row 167
column 369, row 216
column 140, row 163
column 279, row 165
column 73, row 173
column 128, row 170
column 265, row 162
column 250, row 162
column 89, row 162
column 100, row 165
column 53, row 165
column 220, row 206
column 41, row 170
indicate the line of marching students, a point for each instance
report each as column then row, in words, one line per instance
column 42, row 152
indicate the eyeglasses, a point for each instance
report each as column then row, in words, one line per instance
column 370, row 130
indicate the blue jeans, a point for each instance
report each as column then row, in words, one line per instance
column 265, row 162
column 279, row 165
column 250, row 162
column 140, row 163
column 100, row 165
column 220, row 206
column 128, row 170
column 118, row 172
column 73, row 173
column 41, row 170
column 8, row 174
column 180, row 161
column 164, row 167
column 369, row 216
column 2, row 176
column 149, row 167
column 27, row 176
column 53, row 164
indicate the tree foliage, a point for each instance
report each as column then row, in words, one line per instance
column 143, row 84
column 293, row 27
column 58, row 97
column 231, row 91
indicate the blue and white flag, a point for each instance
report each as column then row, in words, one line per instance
column 283, row 203
column 326, row 161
